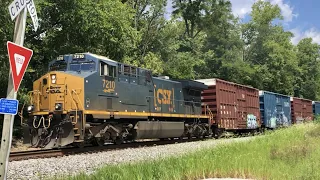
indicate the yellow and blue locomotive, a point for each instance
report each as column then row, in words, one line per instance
column 88, row 98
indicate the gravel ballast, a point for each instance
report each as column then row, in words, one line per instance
column 74, row 164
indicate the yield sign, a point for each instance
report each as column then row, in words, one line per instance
column 19, row 58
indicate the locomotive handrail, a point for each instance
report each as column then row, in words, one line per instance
column 76, row 105
column 30, row 101
column 75, row 102
column 73, row 90
column 31, row 97
column 210, row 113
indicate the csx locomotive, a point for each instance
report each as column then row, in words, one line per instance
column 88, row 98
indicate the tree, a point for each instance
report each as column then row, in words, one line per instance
column 83, row 26
column 148, row 22
column 269, row 51
column 191, row 12
column 6, row 34
column 222, row 46
column 308, row 77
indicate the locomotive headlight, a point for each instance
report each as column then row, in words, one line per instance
column 30, row 108
column 53, row 78
column 58, row 106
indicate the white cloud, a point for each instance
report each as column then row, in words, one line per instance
column 286, row 10
column 310, row 33
column 169, row 9
column 241, row 8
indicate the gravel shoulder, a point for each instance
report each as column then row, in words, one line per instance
column 70, row 165
column 17, row 145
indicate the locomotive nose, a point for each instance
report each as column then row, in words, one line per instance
column 56, row 100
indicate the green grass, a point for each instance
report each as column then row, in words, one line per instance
column 292, row 153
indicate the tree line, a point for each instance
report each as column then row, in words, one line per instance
column 202, row 39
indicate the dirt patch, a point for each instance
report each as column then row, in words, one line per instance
column 17, row 145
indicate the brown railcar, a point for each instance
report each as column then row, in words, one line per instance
column 235, row 106
column 301, row 110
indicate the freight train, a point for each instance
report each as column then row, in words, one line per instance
column 88, row 98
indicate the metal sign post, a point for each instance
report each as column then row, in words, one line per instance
column 19, row 33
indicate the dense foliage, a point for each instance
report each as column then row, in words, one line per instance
column 202, row 39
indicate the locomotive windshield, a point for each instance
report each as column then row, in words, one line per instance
column 58, row 66
column 82, row 66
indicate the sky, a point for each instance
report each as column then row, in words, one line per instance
column 301, row 17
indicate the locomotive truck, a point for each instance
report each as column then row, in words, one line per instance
column 88, row 98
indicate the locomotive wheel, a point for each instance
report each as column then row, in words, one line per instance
column 34, row 138
column 98, row 141
column 79, row 144
column 118, row 141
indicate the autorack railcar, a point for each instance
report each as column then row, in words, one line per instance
column 86, row 97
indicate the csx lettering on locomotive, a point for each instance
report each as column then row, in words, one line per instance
column 164, row 96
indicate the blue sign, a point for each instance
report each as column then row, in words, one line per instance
column 9, row 106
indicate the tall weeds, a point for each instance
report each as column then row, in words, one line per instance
column 292, row 153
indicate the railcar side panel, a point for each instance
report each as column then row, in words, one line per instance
column 275, row 110
column 235, row 106
column 316, row 107
column 301, row 110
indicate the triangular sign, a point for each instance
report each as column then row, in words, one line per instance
column 19, row 58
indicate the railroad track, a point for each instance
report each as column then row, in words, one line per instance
column 49, row 153
column 35, row 154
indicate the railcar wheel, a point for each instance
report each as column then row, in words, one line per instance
column 217, row 133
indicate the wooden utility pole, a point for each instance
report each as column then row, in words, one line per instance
column 7, row 129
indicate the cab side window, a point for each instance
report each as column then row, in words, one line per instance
column 107, row 70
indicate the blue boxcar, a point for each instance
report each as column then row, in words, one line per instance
column 275, row 109
column 316, row 107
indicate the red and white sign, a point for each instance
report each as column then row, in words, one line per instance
column 19, row 58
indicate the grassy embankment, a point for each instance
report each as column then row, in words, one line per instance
column 292, row 153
